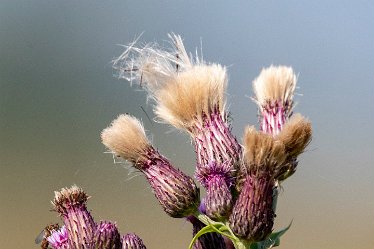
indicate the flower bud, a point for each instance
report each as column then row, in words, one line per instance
column 106, row 236
column 70, row 203
column 218, row 157
column 217, row 181
column 132, row 241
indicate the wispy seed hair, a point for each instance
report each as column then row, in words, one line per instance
column 126, row 138
column 151, row 65
column 275, row 83
column 183, row 87
column 261, row 151
column 296, row 135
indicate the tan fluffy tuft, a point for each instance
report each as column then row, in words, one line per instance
column 126, row 138
column 296, row 135
column 261, row 151
column 183, row 87
column 192, row 94
column 275, row 83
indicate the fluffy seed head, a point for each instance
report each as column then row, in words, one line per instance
column 126, row 138
column 296, row 135
column 184, row 89
column 275, row 83
column 68, row 198
column 261, row 152
column 191, row 95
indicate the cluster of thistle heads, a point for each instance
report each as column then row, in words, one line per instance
column 241, row 180
column 80, row 231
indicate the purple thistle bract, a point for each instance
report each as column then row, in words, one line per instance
column 132, row 241
column 106, row 236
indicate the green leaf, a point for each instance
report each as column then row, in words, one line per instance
column 211, row 228
column 271, row 241
column 207, row 229
column 222, row 229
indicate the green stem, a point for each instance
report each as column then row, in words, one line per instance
column 224, row 229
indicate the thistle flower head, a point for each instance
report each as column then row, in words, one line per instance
column 262, row 153
column 252, row 216
column 175, row 191
column 126, row 138
column 68, row 198
column 274, row 89
column 58, row 238
column 275, row 83
column 132, row 241
column 296, row 135
column 70, row 203
column 192, row 95
column 107, row 236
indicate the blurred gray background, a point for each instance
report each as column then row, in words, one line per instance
column 57, row 92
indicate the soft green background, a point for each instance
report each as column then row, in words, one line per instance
column 57, row 92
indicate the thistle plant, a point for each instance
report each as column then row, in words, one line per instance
column 241, row 181
column 190, row 95
column 79, row 230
